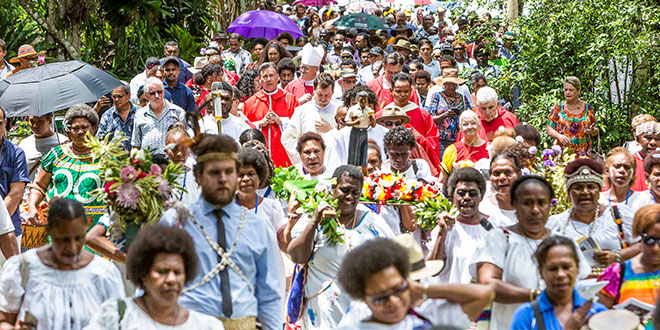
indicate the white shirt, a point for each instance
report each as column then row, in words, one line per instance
column 107, row 318
column 361, row 113
column 304, row 120
column 498, row 217
column 366, row 74
column 35, row 148
column 337, row 143
column 137, row 82
column 232, row 126
column 645, row 198
column 6, row 226
column 462, row 242
column 58, row 299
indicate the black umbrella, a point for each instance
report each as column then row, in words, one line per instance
column 52, row 87
column 361, row 21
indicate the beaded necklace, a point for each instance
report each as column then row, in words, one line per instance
column 591, row 227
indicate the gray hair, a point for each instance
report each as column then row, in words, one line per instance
column 486, row 94
column 468, row 114
column 80, row 111
column 151, row 82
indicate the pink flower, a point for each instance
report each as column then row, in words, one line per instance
column 107, row 187
column 163, row 186
column 155, row 170
column 128, row 174
column 128, row 196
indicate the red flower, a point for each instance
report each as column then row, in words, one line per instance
column 107, row 187
column 141, row 175
column 136, row 162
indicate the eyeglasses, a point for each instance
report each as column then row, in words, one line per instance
column 650, row 240
column 471, row 193
column 383, row 297
column 160, row 92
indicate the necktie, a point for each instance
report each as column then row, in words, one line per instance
column 224, row 274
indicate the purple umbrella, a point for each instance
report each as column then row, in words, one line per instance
column 314, row 3
column 263, row 23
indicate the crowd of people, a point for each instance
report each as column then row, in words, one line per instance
column 231, row 254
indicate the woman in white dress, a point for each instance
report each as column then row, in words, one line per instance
column 465, row 186
column 590, row 221
column 506, row 260
column 58, row 286
column 619, row 176
column 325, row 301
column 504, row 170
column 161, row 260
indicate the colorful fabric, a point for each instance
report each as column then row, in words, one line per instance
column 440, row 104
column 573, row 126
column 74, row 177
column 641, row 286
column 458, row 152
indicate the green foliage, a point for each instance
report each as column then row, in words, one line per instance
column 14, row 34
column 595, row 40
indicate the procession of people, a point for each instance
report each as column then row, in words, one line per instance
column 515, row 249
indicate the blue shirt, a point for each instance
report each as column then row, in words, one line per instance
column 14, row 169
column 182, row 96
column 149, row 131
column 523, row 318
column 111, row 123
column 256, row 254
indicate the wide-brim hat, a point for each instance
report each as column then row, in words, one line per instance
column 402, row 43
column 419, row 268
column 200, row 62
column 621, row 319
column 402, row 28
column 449, row 75
column 393, row 112
column 26, row 51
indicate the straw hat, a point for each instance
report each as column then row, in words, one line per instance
column 26, row 51
column 419, row 268
column 200, row 62
column 402, row 43
column 449, row 75
column 393, row 112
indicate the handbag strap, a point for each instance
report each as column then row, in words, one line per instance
column 540, row 322
column 622, row 270
column 486, row 224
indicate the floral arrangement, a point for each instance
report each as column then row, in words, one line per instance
column 394, row 189
column 136, row 189
column 550, row 165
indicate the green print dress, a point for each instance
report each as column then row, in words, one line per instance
column 74, row 177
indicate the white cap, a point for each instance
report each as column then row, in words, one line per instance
column 312, row 55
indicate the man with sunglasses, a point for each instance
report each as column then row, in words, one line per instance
column 119, row 118
column 152, row 121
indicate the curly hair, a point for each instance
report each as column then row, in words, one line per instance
column 153, row 240
column 651, row 160
column 466, row 174
column 349, row 95
column 210, row 69
column 309, row 136
column 254, row 158
column 251, row 134
column 246, row 83
column 399, row 136
column 370, row 258
column 80, row 111
column 280, row 49
column 528, row 132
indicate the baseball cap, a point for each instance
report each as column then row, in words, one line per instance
column 377, row 51
column 171, row 59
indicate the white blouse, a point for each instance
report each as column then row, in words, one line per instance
column 498, row 217
column 58, row 299
column 329, row 302
column 605, row 230
column 514, row 255
column 107, row 318
column 462, row 242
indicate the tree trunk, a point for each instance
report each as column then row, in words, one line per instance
column 51, row 29
column 511, row 10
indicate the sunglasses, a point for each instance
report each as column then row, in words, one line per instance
column 472, row 193
column 160, row 92
column 650, row 240
column 392, row 123
column 383, row 297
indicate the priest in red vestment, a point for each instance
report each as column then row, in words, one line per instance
column 310, row 60
column 648, row 137
column 491, row 115
column 270, row 110
column 382, row 85
column 421, row 122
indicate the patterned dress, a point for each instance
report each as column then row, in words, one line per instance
column 74, row 177
column 574, row 126
column 441, row 103
column 641, row 286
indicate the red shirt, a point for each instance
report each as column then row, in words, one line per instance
column 385, row 95
column 487, row 129
column 640, row 183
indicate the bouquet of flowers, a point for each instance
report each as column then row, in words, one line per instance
column 551, row 165
column 394, row 189
column 136, row 189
